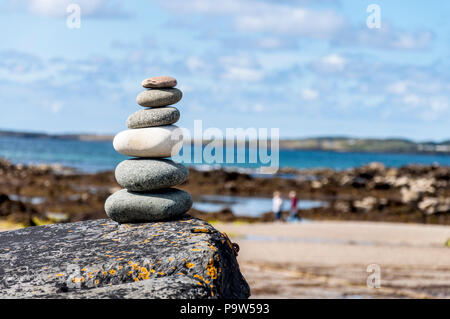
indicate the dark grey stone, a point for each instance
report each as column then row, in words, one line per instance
column 141, row 174
column 159, row 97
column 153, row 117
column 125, row 206
column 187, row 258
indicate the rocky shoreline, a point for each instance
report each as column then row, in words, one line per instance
column 36, row 195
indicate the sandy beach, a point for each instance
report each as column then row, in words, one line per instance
column 329, row 259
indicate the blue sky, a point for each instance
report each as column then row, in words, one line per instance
column 309, row 67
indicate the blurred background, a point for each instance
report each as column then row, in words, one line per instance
column 360, row 92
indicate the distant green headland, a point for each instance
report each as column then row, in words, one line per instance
column 339, row 144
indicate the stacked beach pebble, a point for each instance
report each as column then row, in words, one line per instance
column 148, row 177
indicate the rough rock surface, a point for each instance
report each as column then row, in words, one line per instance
column 146, row 174
column 159, row 82
column 125, row 206
column 159, row 97
column 153, row 117
column 187, row 258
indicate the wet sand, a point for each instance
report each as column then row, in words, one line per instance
column 330, row 259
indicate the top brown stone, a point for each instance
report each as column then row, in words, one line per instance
column 159, row 82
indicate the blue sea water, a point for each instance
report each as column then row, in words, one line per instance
column 98, row 156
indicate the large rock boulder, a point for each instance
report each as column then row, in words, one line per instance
column 187, row 258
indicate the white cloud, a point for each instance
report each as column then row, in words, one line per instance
column 257, row 108
column 58, row 8
column 398, row 88
column 196, row 64
column 243, row 74
column 330, row 63
column 309, row 94
column 387, row 37
column 298, row 18
column 294, row 21
column 263, row 16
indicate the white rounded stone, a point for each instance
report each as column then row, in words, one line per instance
column 160, row 141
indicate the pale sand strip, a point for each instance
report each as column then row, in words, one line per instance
column 330, row 259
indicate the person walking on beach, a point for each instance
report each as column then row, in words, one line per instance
column 277, row 205
column 294, row 202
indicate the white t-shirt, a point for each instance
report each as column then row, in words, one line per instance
column 277, row 204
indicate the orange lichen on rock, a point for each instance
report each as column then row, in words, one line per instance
column 211, row 270
column 201, row 230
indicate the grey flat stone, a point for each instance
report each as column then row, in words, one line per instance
column 187, row 258
column 159, row 97
column 128, row 207
column 153, row 117
column 141, row 174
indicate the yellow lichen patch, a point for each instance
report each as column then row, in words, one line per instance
column 195, row 249
column 59, row 275
column 82, row 279
column 144, row 274
column 199, row 283
column 120, row 267
column 119, row 259
column 180, row 273
column 130, row 262
column 170, row 258
column 136, row 279
column 201, row 230
column 152, row 271
column 97, row 281
column 83, row 269
column 75, row 280
column 135, row 266
column 199, row 277
column 90, row 276
column 211, row 270
column 190, row 265
column 112, row 272
column 130, row 273
column 115, row 239
column 105, row 273
column 161, row 273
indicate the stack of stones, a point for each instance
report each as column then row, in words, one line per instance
column 147, row 179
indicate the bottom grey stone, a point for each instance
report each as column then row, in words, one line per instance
column 185, row 258
column 127, row 207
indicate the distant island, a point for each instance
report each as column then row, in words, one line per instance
column 339, row 144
